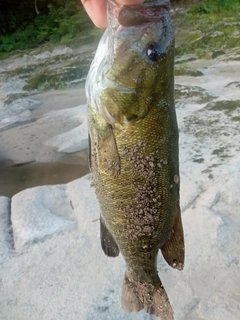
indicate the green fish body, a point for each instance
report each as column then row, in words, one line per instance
column 133, row 149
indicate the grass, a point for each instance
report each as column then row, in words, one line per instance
column 214, row 26
column 215, row 7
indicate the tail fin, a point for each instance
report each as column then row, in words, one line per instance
column 153, row 298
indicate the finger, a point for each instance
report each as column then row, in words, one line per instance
column 96, row 11
column 129, row 2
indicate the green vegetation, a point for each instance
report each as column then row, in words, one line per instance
column 227, row 106
column 198, row 160
column 221, row 152
column 52, row 79
column 215, row 6
column 214, row 26
column 193, row 93
column 236, row 119
column 59, row 22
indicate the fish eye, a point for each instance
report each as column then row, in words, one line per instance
column 154, row 51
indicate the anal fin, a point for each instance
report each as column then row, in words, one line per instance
column 173, row 250
column 108, row 243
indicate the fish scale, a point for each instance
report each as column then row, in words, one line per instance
column 118, row 188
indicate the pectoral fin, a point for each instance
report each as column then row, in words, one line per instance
column 108, row 156
column 108, row 243
column 104, row 151
column 173, row 249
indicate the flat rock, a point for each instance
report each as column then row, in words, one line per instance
column 67, row 263
column 38, row 213
column 189, row 191
column 71, row 141
column 5, row 228
column 40, row 137
column 75, row 139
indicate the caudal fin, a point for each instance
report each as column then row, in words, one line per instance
column 137, row 296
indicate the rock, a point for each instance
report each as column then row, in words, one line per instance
column 189, row 191
column 23, row 103
column 218, row 53
column 27, row 141
column 42, row 56
column 186, row 58
column 212, row 250
column 231, row 55
column 73, row 140
column 84, row 201
column 233, row 84
column 38, row 213
column 11, row 121
column 5, row 228
column 59, row 51
column 41, row 212
column 180, row 71
column 86, row 284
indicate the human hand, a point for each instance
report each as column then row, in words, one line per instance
column 96, row 9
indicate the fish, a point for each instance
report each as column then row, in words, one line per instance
column 133, row 149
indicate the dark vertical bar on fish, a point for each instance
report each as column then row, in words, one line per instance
column 133, row 153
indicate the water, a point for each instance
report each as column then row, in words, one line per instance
column 15, row 178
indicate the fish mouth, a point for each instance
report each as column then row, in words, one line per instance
column 133, row 15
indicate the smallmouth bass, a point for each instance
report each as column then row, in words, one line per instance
column 133, row 149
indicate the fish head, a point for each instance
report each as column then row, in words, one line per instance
column 133, row 65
